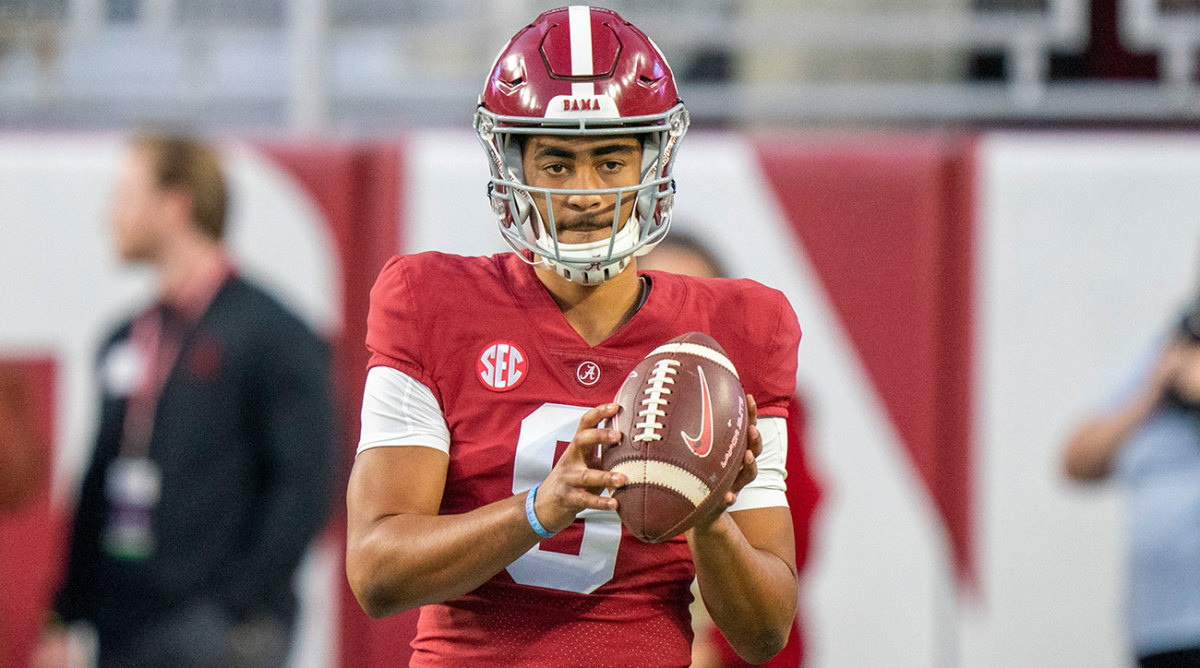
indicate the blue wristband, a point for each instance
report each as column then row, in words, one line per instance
column 531, row 514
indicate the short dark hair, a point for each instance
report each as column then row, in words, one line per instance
column 689, row 243
column 181, row 162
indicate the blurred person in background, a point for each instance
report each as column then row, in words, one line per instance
column 213, row 465
column 683, row 253
column 1148, row 439
column 23, row 460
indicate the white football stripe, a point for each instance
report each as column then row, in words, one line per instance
column 688, row 348
column 672, row 477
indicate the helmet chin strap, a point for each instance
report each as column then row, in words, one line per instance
column 578, row 269
column 584, row 263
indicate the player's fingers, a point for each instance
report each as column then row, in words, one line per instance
column 593, row 416
column 588, row 443
column 583, row 500
column 558, row 504
column 578, row 498
column 595, row 430
column 749, row 472
column 754, row 440
column 595, row 478
column 752, row 408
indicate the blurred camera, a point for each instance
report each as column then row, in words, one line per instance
column 1189, row 325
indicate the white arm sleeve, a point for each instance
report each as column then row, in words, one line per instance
column 398, row 409
column 768, row 488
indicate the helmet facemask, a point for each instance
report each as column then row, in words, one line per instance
column 521, row 223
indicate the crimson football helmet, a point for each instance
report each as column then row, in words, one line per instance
column 581, row 71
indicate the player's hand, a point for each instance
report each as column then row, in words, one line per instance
column 576, row 483
column 749, row 470
column 54, row 649
column 1182, row 362
column 753, row 450
column 1166, row 368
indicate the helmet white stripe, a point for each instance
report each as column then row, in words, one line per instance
column 579, row 19
column 580, row 24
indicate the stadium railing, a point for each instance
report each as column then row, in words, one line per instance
column 366, row 66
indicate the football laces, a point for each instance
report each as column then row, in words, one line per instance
column 655, row 401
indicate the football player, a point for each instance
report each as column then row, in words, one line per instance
column 476, row 492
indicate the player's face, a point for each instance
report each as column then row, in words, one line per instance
column 583, row 163
column 135, row 209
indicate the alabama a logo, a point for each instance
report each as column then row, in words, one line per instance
column 501, row 366
column 701, row 443
column 588, row 373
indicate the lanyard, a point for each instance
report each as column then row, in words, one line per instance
column 159, row 342
column 158, row 337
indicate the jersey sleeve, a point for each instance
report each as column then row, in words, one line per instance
column 768, row 488
column 395, row 325
column 397, row 411
column 776, row 381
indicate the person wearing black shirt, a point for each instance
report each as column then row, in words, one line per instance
column 213, row 464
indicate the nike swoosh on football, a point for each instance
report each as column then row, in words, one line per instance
column 705, row 438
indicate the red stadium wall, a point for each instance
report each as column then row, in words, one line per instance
column 29, row 537
column 357, row 189
column 887, row 224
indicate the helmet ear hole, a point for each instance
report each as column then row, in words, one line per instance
column 525, row 212
column 646, row 203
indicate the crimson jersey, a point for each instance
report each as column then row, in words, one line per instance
column 513, row 379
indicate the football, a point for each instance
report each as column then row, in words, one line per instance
column 683, row 419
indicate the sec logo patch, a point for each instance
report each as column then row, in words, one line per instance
column 502, row 366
